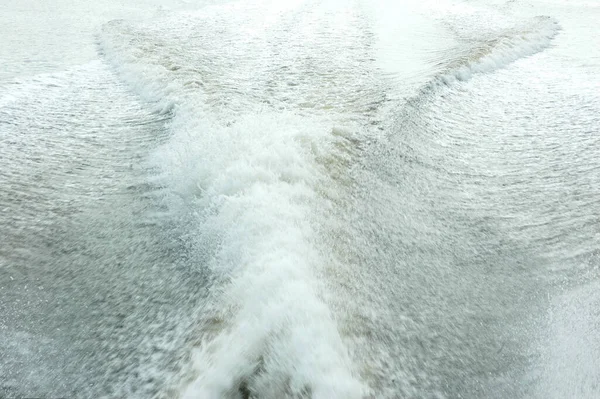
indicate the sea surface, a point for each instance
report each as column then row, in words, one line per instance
column 300, row 199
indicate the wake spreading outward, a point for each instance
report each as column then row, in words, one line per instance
column 301, row 199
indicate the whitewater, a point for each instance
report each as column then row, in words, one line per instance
column 300, row 199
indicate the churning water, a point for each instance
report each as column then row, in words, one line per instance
column 300, row 199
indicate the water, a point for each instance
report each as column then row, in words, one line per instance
column 300, row 199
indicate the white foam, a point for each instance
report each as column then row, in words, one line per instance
column 258, row 178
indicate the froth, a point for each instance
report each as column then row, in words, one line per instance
column 257, row 177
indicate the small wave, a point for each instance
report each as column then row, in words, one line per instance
column 498, row 52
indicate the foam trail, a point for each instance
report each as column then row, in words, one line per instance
column 249, row 179
column 276, row 335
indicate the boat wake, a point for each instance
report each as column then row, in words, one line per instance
column 261, row 100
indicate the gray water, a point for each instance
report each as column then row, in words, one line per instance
column 309, row 199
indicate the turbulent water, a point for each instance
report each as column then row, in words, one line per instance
column 300, row 199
